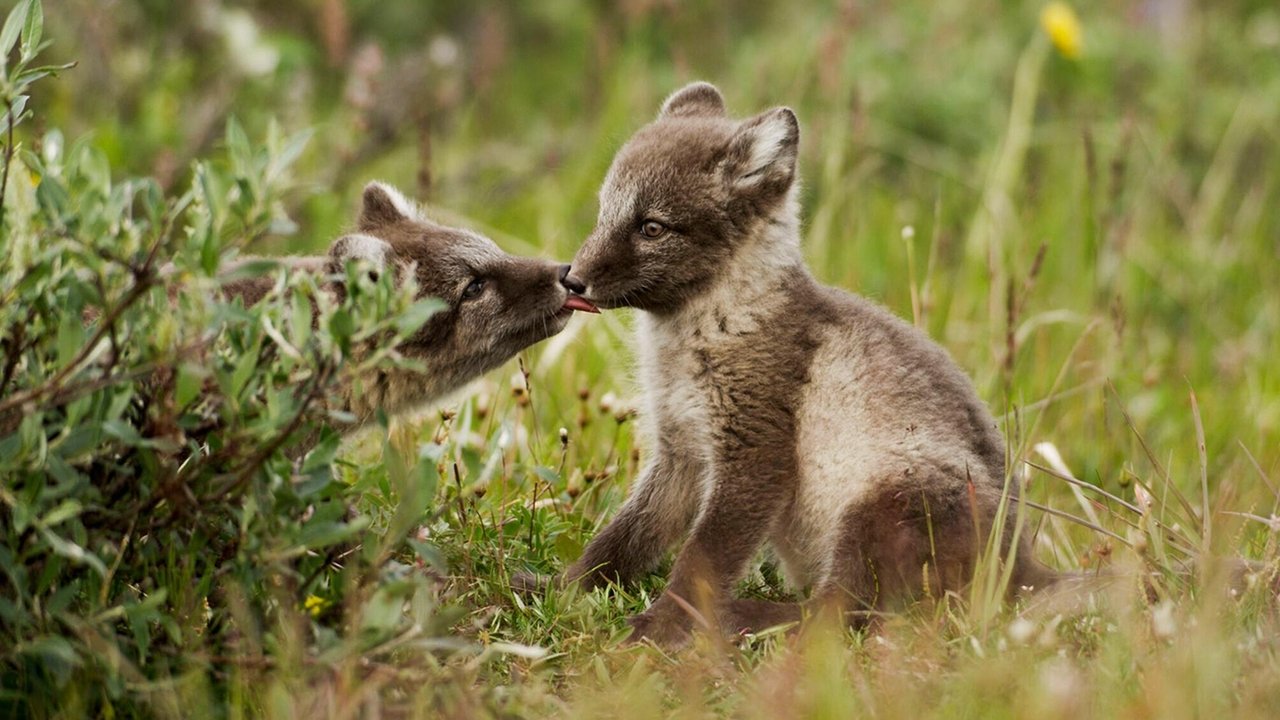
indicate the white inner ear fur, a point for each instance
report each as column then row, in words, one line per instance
column 403, row 205
column 368, row 248
column 772, row 141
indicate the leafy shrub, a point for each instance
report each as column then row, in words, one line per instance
column 156, row 515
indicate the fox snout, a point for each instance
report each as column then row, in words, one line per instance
column 576, row 288
column 570, row 281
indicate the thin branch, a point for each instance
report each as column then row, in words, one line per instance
column 144, row 280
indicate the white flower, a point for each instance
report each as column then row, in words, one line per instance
column 245, row 46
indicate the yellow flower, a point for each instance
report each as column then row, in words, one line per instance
column 315, row 605
column 1062, row 26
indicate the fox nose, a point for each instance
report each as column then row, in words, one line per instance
column 571, row 283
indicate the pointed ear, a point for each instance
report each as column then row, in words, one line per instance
column 384, row 205
column 357, row 247
column 695, row 99
column 762, row 153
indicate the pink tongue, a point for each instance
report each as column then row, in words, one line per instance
column 577, row 302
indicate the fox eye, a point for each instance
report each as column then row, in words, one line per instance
column 473, row 290
column 652, row 229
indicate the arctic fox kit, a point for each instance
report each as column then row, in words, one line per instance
column 496, row 304
column 780, row 410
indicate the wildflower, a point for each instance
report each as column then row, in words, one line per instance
column 315, row 605
column 1061, row 24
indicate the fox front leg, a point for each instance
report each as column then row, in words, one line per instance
column 751, row 490
column 655, row 515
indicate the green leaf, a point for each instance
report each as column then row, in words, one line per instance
column 124, row 432
column 321, row 456
column 300, row 319
column 70, row 337
column 385, row 610
column 14, row 113
column 52, row 648
column 342, row 327
column 22, row 515
column 30, row 75
column 73, row 552
column 318, row 534
column 417, row 314
column 66, row 475
column 189, row 382
column 9, row 612
column 32, row 29
column 53, row 200
column 244, row 369
column 238, row 146
column 141, row 615
column 289, row 154
column 82, row 438
column 65, row 511
column 429, row 554
column 12, row 27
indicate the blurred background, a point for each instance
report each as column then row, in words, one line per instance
column 1081, row 203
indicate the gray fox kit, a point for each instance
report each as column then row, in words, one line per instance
column 496, row 304
column 780, row 410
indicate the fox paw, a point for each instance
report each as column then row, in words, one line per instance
column 527, row 582
column 662, row 629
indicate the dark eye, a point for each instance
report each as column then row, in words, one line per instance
column 473, row 290
column 652, row 229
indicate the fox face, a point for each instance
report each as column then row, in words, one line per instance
column 683, row 196
column 496, row 304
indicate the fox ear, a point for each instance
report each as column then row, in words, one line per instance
column 383, row 205
column 358, row 247
column 699, row 98
column 762, row 153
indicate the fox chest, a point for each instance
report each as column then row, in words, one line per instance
column 703, row 390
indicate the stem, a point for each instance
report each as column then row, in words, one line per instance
column 8, row 159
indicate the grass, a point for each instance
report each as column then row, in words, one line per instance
column 1094, row 240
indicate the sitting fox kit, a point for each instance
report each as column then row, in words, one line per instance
column 496, row 304
column 780, row 410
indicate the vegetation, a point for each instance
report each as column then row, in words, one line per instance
column 1082, row 205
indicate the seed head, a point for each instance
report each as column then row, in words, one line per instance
column 607, row 403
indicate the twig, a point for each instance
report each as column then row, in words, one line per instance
column 319, row 381
column 144, row 280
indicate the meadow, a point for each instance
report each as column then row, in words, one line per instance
column 1081, row 204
